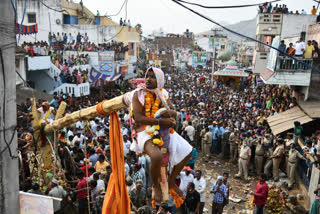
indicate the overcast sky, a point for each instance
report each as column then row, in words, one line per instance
column 153, row 14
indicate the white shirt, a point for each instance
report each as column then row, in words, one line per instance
column 299, row 47
column 124, row 131
column 126, row 147
column 200, row 187
column 78, row 139
column 70, row 133
column 185, row 180
column 51, row 116
column 190, row 132
column 100, row 184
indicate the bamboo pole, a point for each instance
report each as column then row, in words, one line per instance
column 85, row 114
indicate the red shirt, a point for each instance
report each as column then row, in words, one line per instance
column 81, row 185
column 85, row 169
column 261, row 192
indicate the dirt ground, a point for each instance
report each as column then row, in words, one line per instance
column 214, row 166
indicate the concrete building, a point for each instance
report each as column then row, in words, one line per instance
column 68, row 17
column 271, row 25
column 222, row 44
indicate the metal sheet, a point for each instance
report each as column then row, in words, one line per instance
column 284, row 121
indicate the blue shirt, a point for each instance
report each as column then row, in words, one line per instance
column 214, row 131
column 194, row 156
column 218, row 197
column 54, row 103
column 94, row 158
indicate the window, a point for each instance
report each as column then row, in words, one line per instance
column 32, row 18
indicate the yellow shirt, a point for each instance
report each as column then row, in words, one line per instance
column 308, row 53
column 313, row 11
column 101, row 167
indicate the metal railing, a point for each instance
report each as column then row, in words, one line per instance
column 290, row 65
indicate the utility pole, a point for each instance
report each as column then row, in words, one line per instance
column 9, row 168
column 214, row 51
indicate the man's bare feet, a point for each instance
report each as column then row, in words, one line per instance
column 157, row 193
column 172, row 185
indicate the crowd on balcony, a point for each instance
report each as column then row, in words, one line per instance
column 282, row 9
column 63, row 42
column 300, row 49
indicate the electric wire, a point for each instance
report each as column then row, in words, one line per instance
column 126, row 8
column 247, row 37
column 226, row 7
column 118, row 11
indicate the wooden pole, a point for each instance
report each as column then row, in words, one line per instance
column 85, row 114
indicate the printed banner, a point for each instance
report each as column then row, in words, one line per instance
column 35, row 204
column 199, row 58
column 95, row 75
column 106, row 68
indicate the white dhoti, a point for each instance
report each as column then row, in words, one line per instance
column 179, row 148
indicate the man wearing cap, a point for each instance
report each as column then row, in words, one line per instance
column 276, row 158
column 234, row 141
column 57, row 192
column 244, row 160
column 214, row 129
column 186, row 177
column 293, row 158
column 295, row 207
column 138, row 196
column 219, row 191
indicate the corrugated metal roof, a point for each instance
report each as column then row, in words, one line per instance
column 284, row 121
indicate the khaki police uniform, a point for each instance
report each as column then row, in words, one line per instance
column 293, row 158
column 278, row 152
column 244, row 157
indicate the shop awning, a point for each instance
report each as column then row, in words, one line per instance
column 232, row 71
column 284, row 121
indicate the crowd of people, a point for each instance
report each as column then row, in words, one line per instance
column 219, row 121
column 268, row 8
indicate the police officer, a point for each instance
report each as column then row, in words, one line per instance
column 244, row 160
column 293, row 159
column 234, row 139
column 259, row 156
column 276, row 158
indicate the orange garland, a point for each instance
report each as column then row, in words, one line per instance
column 176, row 198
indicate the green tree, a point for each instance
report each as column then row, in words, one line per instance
column 225, row 56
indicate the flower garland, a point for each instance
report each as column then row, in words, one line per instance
column 151, row 106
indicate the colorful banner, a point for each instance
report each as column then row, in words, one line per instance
column 106, row 68
column 26, row 30
column 95, row 75
column 199, row 58
column 35, row 204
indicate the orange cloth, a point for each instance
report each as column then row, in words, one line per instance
column 116, row 200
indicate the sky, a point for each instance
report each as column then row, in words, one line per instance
column 172, row 18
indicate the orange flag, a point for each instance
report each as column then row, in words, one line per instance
column 116, row 200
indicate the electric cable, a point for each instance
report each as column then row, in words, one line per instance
column 15, row 11
column 8, row 144
column 247, row 37
column 118, row 11
column 126, row 8
column 226, row 7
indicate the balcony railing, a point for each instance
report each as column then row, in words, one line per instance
column 289, row 65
